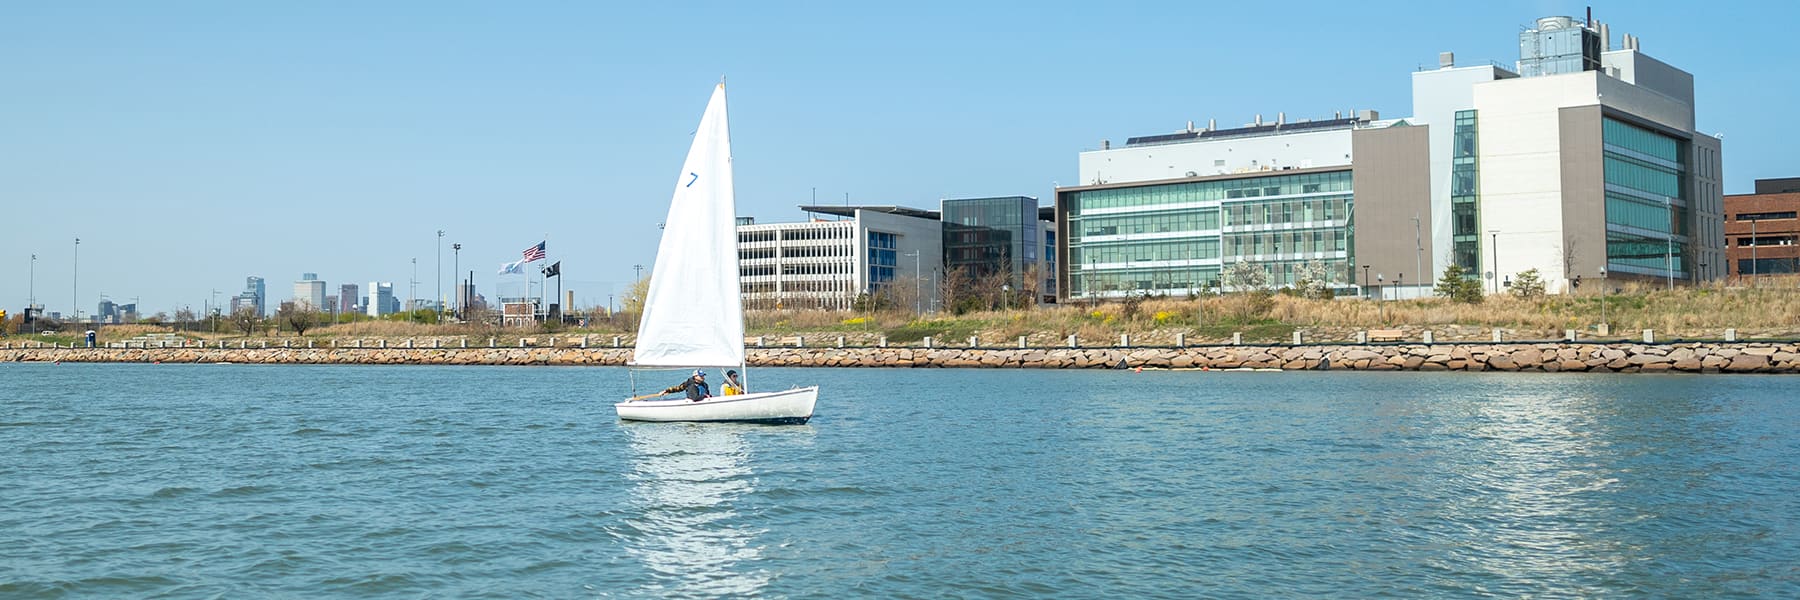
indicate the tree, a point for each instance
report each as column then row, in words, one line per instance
column 1246, row 276
column 1456, row 285
column 1529, row 285
column 1314, row 280
column 299, row 316
column 246, row 320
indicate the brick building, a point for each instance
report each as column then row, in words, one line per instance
column 1763, row 229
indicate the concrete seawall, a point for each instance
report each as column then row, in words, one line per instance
column 1692, row 357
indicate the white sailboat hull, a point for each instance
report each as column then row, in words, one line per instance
column 793, row 406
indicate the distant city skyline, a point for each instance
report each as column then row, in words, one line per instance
column 189, row 147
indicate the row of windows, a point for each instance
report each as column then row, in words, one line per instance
column 1198, row 278
column 769, row 287
column 1644, row 252
column 1765, row 240
column 832, row 251
column 1193, row 249
column 1281, row 274
column 807, row 233
column 1286, row 242
column 1763, row 216
column 1768, row 266
column 1633, row 212
column 1188, row 220
column 1288, row 211
column 1640, row 140
column 1656, row 180
column 1174, row 193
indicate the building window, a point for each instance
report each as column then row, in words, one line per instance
column 882, row 259
column 1465, row 194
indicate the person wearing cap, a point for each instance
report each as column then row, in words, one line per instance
column 733, row 387
column 694, row 385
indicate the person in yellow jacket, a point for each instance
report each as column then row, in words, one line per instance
column 733, row 387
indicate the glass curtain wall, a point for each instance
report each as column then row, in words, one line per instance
column 1465, row 198
column 1175, row 238
column 1647, row 216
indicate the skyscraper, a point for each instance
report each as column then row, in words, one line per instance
column 381, row 299
column 253, row 296
column 347, row 298
column 309, row 292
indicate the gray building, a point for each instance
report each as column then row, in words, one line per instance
column 892, row 251
column 1000, row 236
column 348, row 298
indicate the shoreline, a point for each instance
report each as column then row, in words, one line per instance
column 1613, row 357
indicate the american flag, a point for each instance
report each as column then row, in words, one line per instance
column 535, row 252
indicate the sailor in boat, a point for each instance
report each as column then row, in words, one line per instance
column 732, row 386
column 694, row 385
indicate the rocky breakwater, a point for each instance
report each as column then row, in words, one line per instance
column 1693, row 357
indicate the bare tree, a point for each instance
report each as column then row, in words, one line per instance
column 246, row 320
column 300, row 316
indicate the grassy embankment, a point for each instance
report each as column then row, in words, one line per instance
column 1770, row 311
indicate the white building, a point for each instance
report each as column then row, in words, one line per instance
column 381, row 298
column 1591, row 166
column 309, row 292
column 829, row 263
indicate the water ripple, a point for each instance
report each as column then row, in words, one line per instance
column 206, row 481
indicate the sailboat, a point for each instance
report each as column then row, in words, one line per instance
column 694, row 314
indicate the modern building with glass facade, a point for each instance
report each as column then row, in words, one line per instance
column 1583, row 162
column 1281, row 196
column 827, row 264
column 988, row 236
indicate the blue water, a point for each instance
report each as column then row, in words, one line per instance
column 306, row 481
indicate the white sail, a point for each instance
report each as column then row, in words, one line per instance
column 693, row 314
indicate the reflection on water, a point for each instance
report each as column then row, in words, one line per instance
column 688, row 533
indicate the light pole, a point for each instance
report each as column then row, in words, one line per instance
column 1365, row 285
column 412, row 290
column 1005, row 300
column 1494, row 247
column 438, row 272
column 75, row 287
column 640, row 272
column 1418, row 248
column 33, row 295
column 1380, row 298
column 1753, row 246
column 456, row 267
column 918, row 293
column 1603, row 293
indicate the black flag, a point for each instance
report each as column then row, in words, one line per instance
column 554, row 269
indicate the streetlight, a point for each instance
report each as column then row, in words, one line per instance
column 438, row 271
column 1418, row 248
column 1494, row 246
column 1603, row 293
column 1365, row 285
column 1380, row 298
column 918, row 277
column 75, row 288
column 456, row 269
column 32, row 294
column 1005, row 291
column 412, row 290
column 1753, row 246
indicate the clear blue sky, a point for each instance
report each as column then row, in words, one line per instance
column 189, row 144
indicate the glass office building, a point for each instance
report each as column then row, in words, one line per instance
column 983, row 236
column 1176, row 238
column 1647, row 216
